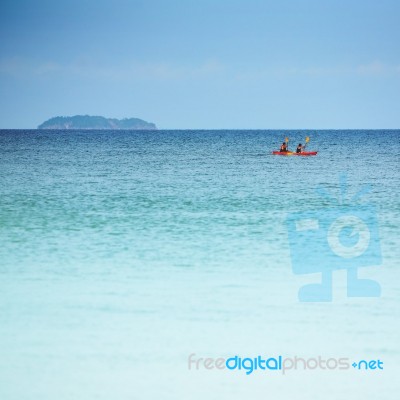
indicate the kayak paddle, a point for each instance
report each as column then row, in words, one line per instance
column 307, row 140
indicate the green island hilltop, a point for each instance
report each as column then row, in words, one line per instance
column 95, row 122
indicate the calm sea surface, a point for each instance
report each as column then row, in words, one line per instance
column 123, row 252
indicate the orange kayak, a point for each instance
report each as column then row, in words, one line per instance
column 291, row 153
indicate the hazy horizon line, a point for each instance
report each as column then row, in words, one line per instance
column 202, row 129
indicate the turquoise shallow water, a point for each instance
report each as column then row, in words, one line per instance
column 123, row 252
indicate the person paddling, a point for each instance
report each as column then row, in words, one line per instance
column 284, row 147
column 299, row 148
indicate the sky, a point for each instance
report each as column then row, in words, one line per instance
column 186, row 64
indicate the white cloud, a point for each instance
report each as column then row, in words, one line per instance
column 18, row 67
column 377, row 68
column 136, row 71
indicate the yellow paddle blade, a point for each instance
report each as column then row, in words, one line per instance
column 307, row 139
column 286, row 139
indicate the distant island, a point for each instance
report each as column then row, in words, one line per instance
column 95, row 122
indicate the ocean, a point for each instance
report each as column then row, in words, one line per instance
column 124, row 252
